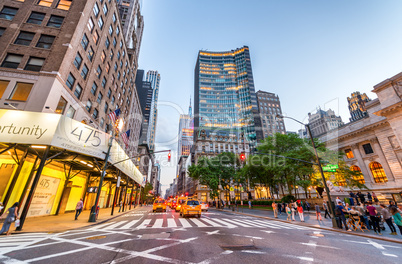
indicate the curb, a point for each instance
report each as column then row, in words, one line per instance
column 318, row 227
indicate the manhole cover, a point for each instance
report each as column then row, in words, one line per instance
column 95, row 237
column 237, row 247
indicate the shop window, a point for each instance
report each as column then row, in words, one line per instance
column 3, row 87
column 24, row 38
column 45, row 41
column 47, row 3
column 36, row 18
column 55, row 21
column 90, row 53
column 21, row 91
column 34, row 64
column 70, row 81
column 378, row 172
column 84, row 72
column 8, row 12
column 61, row 106
column 349, row 154
column 78, row 91
column 12, row 61
column 88, row 106
column 84, row 42
column 70, row 112
column 95, row 114
column 2, row 31
column 367, row 148
column 96, row 10
column 78, row 61
column 64, row 4
column 360, row 177
column 94, row 88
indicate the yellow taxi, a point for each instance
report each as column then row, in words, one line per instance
column 190, row 207
column 180, row 201
column 159, row 205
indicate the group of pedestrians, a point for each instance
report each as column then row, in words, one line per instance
column 290, row 210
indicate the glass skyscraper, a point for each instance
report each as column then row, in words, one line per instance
column 154, row 78
column 224, row 94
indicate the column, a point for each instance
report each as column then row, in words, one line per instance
column 362, row 165
column 383, row 159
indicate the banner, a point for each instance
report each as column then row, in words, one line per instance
column 45, row 194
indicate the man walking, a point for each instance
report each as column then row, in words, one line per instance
column 275, row 208
column 388, row 218
column 78, row 208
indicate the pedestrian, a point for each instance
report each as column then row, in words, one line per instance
column 300, row 211
column 362, row 213
column 369, row 197
column 351, row 198
column 78, row 208
column 249, row 204
column 375, row 198
column 373, row 218
column 293, row 209
column 340, row 213
column 318, row 211
column 121, row 205
column 279, row 208
column 388, row 218
column 11, row 217
column 397, row 218
column 288, row 213
column 362, row 198
column 325, row 207
column 275, row 208
column 392, row 204
column 308, row 206
column 338, row 200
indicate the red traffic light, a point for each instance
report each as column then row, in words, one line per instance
column 242, row 156
column 169, row 156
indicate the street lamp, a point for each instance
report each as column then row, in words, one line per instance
column 334, row 224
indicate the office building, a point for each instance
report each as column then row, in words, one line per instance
column 323, row 121
column 357, row 105
column 269, row 106
column 145, row 94
column 154, row 78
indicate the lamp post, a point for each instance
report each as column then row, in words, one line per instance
column 334, row 224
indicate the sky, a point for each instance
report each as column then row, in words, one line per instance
column 311, row 53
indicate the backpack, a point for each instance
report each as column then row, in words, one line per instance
column 338, row 211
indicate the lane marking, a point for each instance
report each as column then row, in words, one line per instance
column 158, row 223
column 228, row 225
column 389, row 255
column 144, row 224
column 212, row 232
column 212, row 223
column 171, row 222
column 253, row 252
column 236, row 223
column 184, row 223
column 130, row 224
column 114, row 225
column 198, row 222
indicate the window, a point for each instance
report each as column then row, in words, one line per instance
column 115, row 66
column 61, row 106
column 84, row 42
column 96, row 10
column 118, row 76
column 88, row 106
column 117, row 30
column 64, row 4
column 21, row 91
column 107, row 68
column 114, row 18
column 121, row 64
column 95, row 37
column 34, row 64
column 118, row 55
column 3, row 87
column 45, row 41
column 99, row 72
column 90, row 54
column 105, row 107
column 8, row 12
column 103, row 56
column 95, row 114
column 78, row 91
column 70, row 81
column 359, row 176
column 99, row 99
column 36, row 18
column 105, row 9
column 70, row 112
column 84, row 72
column 90, row 25
column 104, row 82
column 121, row 43
column 107, row 43
column 349, row 154
column 124, row 54
column 47, row 3
column 102, row 122
column 55, row 21
column 111, row 54
column 109, row 93
column 78, row 61
column 113, row 100
column 100, row 22
column 24, row 38
column 2, row 31
column 367, row 148
column 114, row 42
column 110, row 30
column 94, row 88
column 378, row 172
column 12, row 61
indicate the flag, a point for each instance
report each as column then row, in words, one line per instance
column 126, row 136
column 114, row 115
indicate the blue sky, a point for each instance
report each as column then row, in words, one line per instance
column 311, row 53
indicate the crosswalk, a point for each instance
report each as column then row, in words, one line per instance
column 11, row 243
column 203, row 222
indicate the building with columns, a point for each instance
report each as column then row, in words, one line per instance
column 372, row 144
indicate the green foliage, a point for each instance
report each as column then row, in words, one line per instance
column 288, row 198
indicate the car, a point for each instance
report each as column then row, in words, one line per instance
column 173, row 204
column 159, row 205
column 179, row 203
column 204, row 206
column 190, row 207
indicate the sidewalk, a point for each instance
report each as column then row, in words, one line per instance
column 311, row 221
column 64, row 222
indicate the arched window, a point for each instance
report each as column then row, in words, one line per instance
column 359, row 178
column 378, row 172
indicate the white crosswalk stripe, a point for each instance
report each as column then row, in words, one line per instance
column 114, row 225
column 228, row 225
column 236, row 223
column 171, row 223
column 198, row 222
column 158, row 223
column 144, row 224
column 212, row 223
column 8, row 244
column 130, row 224
column 184, row 222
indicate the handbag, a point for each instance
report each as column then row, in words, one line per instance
column 11, row 219
column 17, row 223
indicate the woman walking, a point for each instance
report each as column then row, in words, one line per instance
column 11, row 217
column 318, row 212
column 288, row 213
column 397, row 218
column 300, row 211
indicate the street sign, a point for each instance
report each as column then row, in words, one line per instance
column 231, row 189
column 330, row 167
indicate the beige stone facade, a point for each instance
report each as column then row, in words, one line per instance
column 372, row 144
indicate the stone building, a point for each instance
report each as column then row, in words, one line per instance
column 372, row 144
column 323, row 121
column 269, row 106
column 357, row 105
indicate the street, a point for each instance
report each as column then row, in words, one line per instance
column 217, row 237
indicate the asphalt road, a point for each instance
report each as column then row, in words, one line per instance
column 217, row 237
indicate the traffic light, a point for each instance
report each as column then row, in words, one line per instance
column 169, row 156
column 242, row 157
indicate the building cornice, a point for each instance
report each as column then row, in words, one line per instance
column 384, row 84
column 389, row 110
